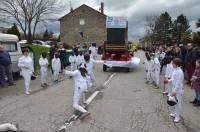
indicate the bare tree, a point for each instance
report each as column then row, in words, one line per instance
column 27, row 14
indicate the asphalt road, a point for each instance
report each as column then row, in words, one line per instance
column 125, row 104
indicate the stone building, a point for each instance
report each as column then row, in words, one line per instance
column 83, row 25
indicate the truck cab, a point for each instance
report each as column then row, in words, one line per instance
column 11, row 45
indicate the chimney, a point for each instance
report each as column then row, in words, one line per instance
column 102, row 7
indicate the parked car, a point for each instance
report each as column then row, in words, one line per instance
column 51, row 42
column 41, row 43
column 23, row 42
column 12, row 46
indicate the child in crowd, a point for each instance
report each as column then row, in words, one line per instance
column 43, row 62
column 168, row 76
column 156, row 67
column 56, row 66
column 81, row 84
column 196, row 84
column 147, row 63
column 151, row 69
column 93, row 50
column 72, row 60
column 90, row 67
column 177, row 81
column 25, row 63
column 80, row 59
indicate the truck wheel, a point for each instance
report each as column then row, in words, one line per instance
column 127, row 69
column 104, row 68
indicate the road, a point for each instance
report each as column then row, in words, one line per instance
column 125, row 104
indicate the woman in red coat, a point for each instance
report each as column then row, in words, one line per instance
column 196, row 84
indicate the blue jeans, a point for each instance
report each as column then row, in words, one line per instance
column 198, row 95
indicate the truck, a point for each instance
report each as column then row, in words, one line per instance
column 116, row 50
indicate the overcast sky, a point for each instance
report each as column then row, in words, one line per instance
column 137, row 11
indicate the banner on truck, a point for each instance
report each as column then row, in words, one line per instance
column 116, row 22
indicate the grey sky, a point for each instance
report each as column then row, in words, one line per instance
column 136, row 11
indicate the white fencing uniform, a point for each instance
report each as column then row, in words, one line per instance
column 93, row 50
column 72, row 60
column 151, row 71
column 148, row 65
column 90, row 68
column 168, row 75
column 177, row 87
column 7, row 127
column 56, row 66
column 81, row 85
column 79, row 60
column 43, row 62
column 157, row 71
column 25, row 63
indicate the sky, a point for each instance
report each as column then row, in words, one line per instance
column 136, row 11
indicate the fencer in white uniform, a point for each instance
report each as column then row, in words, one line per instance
column 90, row 66
column 25, row 63
column 81, row 85
column 157, row 67
column 147, row 63
column 177, row 88
column 93, row 50
column 80, row 59
column 56, row 66
column 151, row 71
column 72, row 60
column 168, row 75
column 43, row 62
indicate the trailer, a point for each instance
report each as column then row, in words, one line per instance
column 116, row 50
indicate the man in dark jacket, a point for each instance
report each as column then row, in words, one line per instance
column 190, row 60
column 5, row 68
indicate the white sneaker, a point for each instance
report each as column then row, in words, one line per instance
column 165, row 92
column 28, row 93
column 176, row 120
column 172, row 115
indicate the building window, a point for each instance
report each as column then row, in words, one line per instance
column 82, row 22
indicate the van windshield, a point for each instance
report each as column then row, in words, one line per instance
column 10, row 46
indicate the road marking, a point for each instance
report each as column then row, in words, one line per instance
column 74, row 117
column 89, row 100
column 109, row 79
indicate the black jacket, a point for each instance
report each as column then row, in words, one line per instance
column 5, row 59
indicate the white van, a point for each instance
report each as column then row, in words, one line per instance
column 10, row 42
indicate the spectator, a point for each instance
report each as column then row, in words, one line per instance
column 198, row 53
column 62, row 53
column 52, row 51
column 177, row 52
column 168, row 57
column 196, row 84
column 183, row 54
column 190, row 60
column 75, row 50
column 5, row 68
